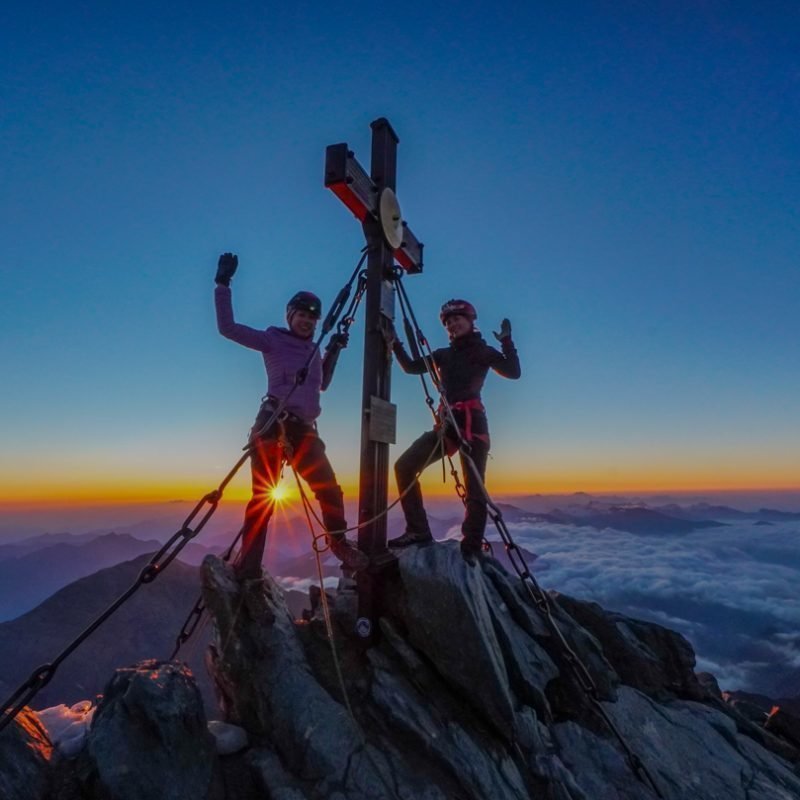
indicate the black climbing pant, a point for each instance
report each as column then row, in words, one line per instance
column 422, row 454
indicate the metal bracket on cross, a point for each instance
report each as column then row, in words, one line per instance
column 346, row 178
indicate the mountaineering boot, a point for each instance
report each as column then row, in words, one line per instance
column 350, row 556
column 411, row 537
column 471, row 548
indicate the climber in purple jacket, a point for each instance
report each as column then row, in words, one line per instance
column 294, row 438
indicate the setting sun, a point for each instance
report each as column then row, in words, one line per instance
column 280, row 493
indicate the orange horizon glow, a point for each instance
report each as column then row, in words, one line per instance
column 73, row 494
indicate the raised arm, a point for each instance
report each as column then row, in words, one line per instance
column 413, row 366
column 226, row 325
column 507, row 362
column 335, row 346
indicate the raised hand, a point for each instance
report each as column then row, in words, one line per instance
column 226, row 266
column 504, row 332
column 339, row 341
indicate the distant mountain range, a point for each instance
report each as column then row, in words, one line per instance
column 711, row 512
column 23, row 547
column 32, row 570
column 631, row 518
column 146, row 626
column 765, row 704
column 696, row 508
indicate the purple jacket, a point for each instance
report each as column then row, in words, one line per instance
column 284, row 354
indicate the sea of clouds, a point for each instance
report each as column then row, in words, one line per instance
column 731, row 591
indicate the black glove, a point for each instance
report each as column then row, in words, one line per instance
column 504, row 332
column 338, row 341
column 226, row 266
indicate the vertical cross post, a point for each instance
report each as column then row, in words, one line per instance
column 371, row 198
column 376, row 384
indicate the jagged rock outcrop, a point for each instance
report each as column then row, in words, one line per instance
column 785, row 725
column 149, row 738
column 25, row 753
column 467, row 693
column 646, row 656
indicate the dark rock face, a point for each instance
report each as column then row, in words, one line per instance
column 149, row 738
column 646, row 656
column 470, row 692
column 784, row 725
column 25, row 754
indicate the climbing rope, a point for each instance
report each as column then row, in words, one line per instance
column 326, row 612
column 367, row 522
column 515, row 554
column 42, row 675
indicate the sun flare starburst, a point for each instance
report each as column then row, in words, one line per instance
column 280, row 493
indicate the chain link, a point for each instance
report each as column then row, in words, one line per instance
column 41, row 676
column 196, row 614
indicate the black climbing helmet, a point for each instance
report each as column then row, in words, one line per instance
column 458, row 307
column 304, row 301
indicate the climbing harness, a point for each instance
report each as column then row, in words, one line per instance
column 515, row 554
column 42, row 675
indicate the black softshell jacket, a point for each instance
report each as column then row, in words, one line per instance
column 463, row 367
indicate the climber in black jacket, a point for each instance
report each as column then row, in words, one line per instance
column 462, row 369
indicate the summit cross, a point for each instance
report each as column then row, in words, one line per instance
column 371, row 198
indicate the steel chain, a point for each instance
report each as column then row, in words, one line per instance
column 40, row 677
column 517, row 560
column 196, row 614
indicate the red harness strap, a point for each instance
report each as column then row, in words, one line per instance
column 467, row 406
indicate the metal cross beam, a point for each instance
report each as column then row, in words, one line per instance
column 346, row 178
column 371, row 199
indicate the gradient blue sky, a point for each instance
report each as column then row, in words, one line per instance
column 620, row 179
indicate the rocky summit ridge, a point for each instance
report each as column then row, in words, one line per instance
column 466, row 694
